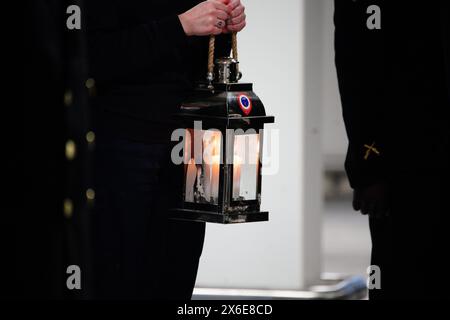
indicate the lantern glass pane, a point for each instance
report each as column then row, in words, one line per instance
column 202, row 166
column 246, row 167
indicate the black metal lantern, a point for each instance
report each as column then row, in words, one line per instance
column 223, row 125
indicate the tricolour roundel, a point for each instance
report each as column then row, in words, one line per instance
column 245, row 103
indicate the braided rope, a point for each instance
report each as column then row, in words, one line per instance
column 212, row 45
column 234, row 47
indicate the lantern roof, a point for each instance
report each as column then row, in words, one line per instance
column 225, row 104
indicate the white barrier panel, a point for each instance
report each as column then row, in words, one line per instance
column 280, row 54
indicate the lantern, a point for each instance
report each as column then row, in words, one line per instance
column 223, row 124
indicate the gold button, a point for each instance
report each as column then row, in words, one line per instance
column 90, row 137
column 90, row 83
column 71, row 150
column 90, row 194
column 68, row 208
column 68, row 98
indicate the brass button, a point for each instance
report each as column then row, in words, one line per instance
column 90, row 194
column 90, row 83
column 71, row 150
column 68, row 98
column 90, row 137
column 68, row 208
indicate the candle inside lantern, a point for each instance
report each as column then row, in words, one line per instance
column 215, row 177
column 211, row 165
column 191, row 175
column 237, row 163
column 245, row 167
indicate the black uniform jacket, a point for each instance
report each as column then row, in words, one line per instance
column 52, row 206
column 395, row 87
column 143, row 64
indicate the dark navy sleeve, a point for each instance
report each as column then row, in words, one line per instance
column 359, row 57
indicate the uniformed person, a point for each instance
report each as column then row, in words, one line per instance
column 53, row 209
column 145, row 57
column 393, row 61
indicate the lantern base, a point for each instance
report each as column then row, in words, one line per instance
column 206, row 216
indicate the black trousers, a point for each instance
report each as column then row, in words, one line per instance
column 138, row 252
column 411, row 246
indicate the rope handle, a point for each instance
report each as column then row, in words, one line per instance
column 234, row 46
column 212, row 46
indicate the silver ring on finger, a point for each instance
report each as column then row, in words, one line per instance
column 220, row 24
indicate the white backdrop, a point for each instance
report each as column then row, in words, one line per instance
column 334, row 139
column 281, row 53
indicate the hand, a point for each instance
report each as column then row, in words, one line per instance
column 372, row 200
column 237, row 20
column 206, row 18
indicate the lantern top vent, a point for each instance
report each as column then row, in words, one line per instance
column 226, row 71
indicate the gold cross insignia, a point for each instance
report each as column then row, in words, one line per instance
column 369, row 150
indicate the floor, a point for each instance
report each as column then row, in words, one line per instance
column 346, row 242
column 346, row 239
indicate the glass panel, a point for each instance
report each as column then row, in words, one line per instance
column 245, row 167
column 202, row 162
